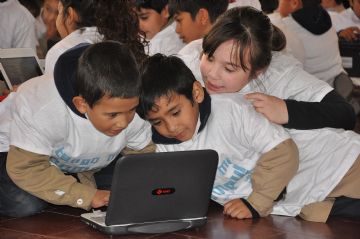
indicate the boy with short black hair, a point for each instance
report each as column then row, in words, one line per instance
column 65, row 128
column 194, row 18
column 158, row 25
column 257, row 159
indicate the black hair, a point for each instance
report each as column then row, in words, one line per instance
column 157, row 5
column 84, row 9
column 115, row 20
column 253, row 34
column 34, row 6
column 309, row 3
column 269, row 6
column 107, row 68
column 163, row 76
column 214, row 7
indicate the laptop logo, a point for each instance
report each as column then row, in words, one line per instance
column 163, row 191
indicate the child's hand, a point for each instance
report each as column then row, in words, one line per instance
column 273, row 108
column 237, row 209
column 100, row 199
column 350, row 33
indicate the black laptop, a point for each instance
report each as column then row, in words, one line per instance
column 350, row 54
column 158, row 193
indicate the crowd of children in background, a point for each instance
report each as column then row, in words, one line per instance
column 265, row 89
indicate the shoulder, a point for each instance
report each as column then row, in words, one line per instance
column 192, row 48
column 37, row 94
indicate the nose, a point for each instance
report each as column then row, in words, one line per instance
column 178, row 28
column 172, row 127
column 122, row 121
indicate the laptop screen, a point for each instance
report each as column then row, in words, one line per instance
column 20, row 69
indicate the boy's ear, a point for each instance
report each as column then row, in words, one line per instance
column 296, row 5
column 203, row 17
column 198, row 92
column 165, row 12
column 80, row 104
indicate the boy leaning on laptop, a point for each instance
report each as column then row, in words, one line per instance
column 66, row 127
column 261, row 170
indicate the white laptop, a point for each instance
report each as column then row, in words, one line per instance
column 158, row 193
column 18, row 65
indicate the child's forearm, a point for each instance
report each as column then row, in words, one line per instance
column 34, row 174
column 271, row 175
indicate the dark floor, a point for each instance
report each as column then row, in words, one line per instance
column 64, row 222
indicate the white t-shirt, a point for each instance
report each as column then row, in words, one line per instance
column 285, row 79
column 167, row 41
column 241, row 136
column 293, row 44
column 231, row 130
column 322, row 55
column 83, row 35
column 5, row 120
column 17, row 26
column 191, row 54
column 345, row 19
column 239, row 3
column 42, row 123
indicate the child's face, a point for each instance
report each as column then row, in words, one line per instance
column 60, row 21
column 218, row 72
column 111, row 116
column 286, row 7
column 355, row 4
column 151, row 22
column 175, row 116
column 187, row 28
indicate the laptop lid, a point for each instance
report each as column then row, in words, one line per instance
column 160, row 192
column 350, row 54
column 18, row 65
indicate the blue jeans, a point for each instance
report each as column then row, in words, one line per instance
column 15, row 202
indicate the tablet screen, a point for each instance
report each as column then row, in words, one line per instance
column 20, row 69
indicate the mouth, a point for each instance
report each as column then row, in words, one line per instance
column 115, row 132
column 181, row 136
column 213, row 88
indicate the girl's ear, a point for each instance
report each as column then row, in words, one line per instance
column 198, row 92
column 165, row 12
column 80, row 104
column 71, row 20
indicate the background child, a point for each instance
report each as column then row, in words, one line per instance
column 287, row 94
column 93, row 21
column 18, row 26
column 195, row 18
column 256, row 158
column 312, row 25
column 66, row 127
column 347, row 23
column 158, row 25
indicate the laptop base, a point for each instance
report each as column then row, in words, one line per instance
column 149, row 227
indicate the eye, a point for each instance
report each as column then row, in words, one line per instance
column 230, row 70
column 143, row 18
column 155, row 123
column 112, row 115
column 176, row 113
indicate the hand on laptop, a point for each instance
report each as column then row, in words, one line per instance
column 237, row 209
column 350, row 33
column 100, row 199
